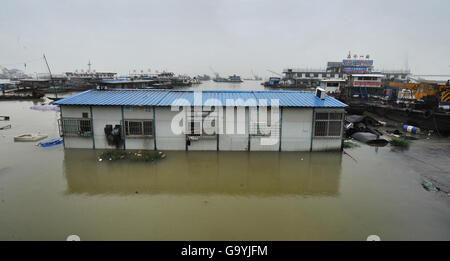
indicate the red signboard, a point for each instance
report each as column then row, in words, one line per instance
column 366, row 84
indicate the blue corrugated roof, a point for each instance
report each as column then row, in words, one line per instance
column 161, row 97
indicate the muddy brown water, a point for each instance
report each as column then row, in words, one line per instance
column 50, row 193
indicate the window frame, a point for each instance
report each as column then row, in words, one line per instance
column 192, row 119
column 262, row 127
column 80, row 133
column 255, row 129
column 126, row 126
column 327, row 121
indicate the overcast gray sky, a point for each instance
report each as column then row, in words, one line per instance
column 231, row 36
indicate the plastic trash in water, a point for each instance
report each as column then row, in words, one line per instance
column 411, row 129
column 45, row 107
column 429, row 186
column 50, row 143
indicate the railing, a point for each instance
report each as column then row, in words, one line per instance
column 296, row 70
column 393, row 71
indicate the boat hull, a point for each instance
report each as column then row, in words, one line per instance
column 437, row 121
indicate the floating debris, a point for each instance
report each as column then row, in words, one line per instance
column 30, row 137
column 345, row 153
column 349, row 145
column 45, row 107
column 132, row 156
column 50, row 143
column 369, row 138
column 400, row 142
column 411, row 129
column 427, row 185
column 361, row 123
column 6, row 127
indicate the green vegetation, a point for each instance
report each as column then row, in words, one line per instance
column 130, row 155
column 400, row 142
column 349, row 145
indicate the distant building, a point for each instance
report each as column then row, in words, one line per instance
column 340, row 70
column 332, row 85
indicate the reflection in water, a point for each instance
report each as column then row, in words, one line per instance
column 232, row 173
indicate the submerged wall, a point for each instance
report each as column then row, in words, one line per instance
column 296, row 129
column 138, row 113
column 75, row 141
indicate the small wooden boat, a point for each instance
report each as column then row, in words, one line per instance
column 30, row 137
column 54, row 98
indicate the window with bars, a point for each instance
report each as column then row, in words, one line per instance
column 201, row 123
column 194, row 128
column 76, row 127
column 138, row 128
column 328, row 124
column 260, row 129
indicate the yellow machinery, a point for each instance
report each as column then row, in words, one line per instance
column 423, row 89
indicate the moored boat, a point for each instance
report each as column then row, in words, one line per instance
column 6, row 127
column 233, row 78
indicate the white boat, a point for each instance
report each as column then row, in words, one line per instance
column 30, row 137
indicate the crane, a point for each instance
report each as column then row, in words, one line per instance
column 256, row 77
column 421, row 89
column 275, row 73
column 51, row 78
column 214, row 72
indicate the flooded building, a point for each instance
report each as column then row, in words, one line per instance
column 152, row 119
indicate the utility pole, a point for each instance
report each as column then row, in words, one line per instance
column 89, row 64
column 51, row 78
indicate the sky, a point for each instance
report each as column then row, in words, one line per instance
column 226, row 36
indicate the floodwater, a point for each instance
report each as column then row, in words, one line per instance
column 51, row 193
